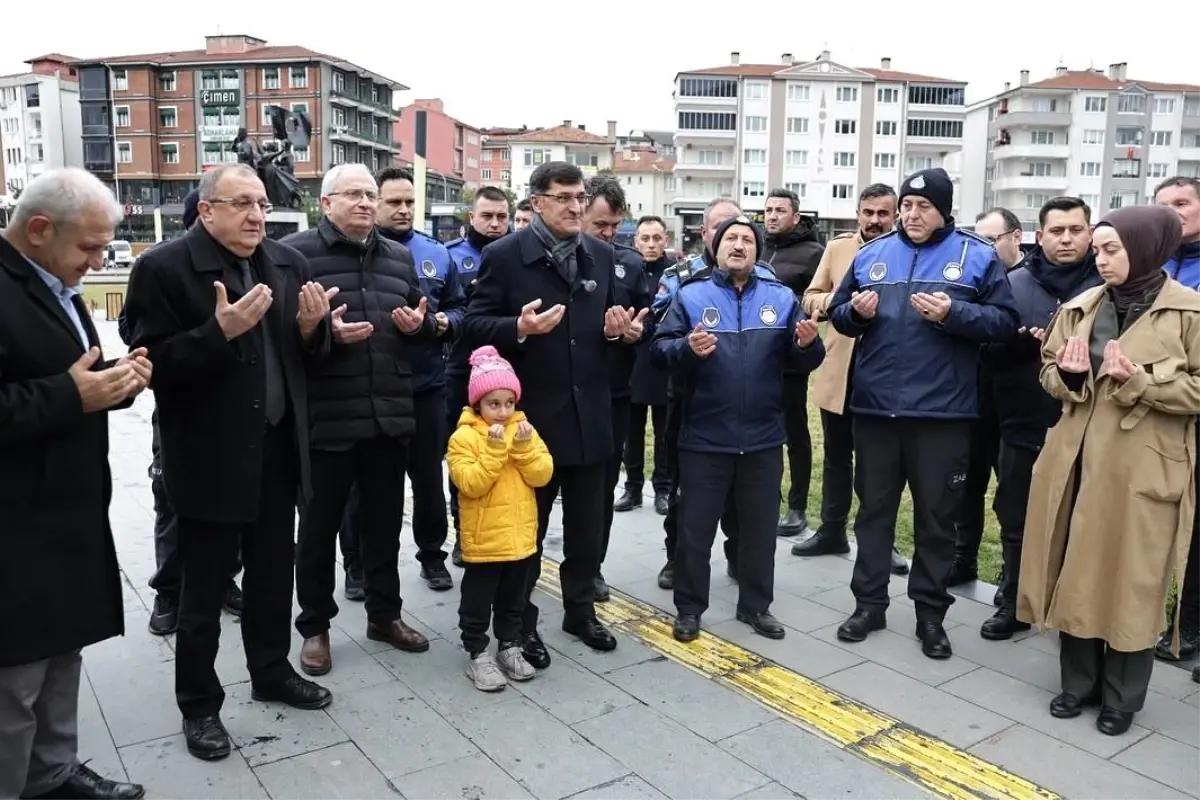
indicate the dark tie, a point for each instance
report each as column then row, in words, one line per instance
column 276, row 399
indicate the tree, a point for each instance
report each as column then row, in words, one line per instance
column 463, row 214
column 312, row 209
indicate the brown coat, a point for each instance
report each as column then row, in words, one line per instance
column 829, row 384
column 1100, row 567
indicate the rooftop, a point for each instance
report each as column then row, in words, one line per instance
column 559, row 134
column 1099, row 80
column 795, row 68
column 641, row 161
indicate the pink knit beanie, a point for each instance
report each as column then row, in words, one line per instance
column 490, row 372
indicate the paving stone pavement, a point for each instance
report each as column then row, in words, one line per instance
column 626, row 724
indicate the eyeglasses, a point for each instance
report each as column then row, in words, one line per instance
column 568, row 199
column 242, row 204
column 357, row 195
column 999, row 236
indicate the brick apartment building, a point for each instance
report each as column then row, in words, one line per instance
column 453, row 149
column 153, row 123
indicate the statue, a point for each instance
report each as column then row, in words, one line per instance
column 272, row 159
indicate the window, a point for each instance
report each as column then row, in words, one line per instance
column 1130, row 136
column 845, row 127
column 843, row 191
column 1092, row 200
column 582, row 159
column 935, row 96
column 887, row 94
column 707, row 121
column 847, row 94
column 756, row 90
column 755, row 125
column 301, row 156
column 669, row 183
column 168, row 117
column 800, row 189
column 708, row 87
column 505, row 175
column 338, row 154
column 936, row 128
column 214, row 153
column 1122, row 199
column 298, row 77
column 124, row 153
column 1095, row 104
column 485, row 174
column 1036, row 200
column 120, row 80
column 1131, row 104
column 1041, row 137
column 229, row 115
column 1127, row 168
column 1041, row 169
column 1157, row 170
column 122, row 116
column 1190, row 140
column 795, row 158
column 270, row 78
column 1089, row 169
column 1093, row 137
column 798, row 92
column 300, row 108
column 797, row 124
column 535, row 157
column 917, row 163
column 1160, row 138
column 168, row 153
column 754, row 189
column 1044, row 105
column 166, row 81
column 843, row 159
column 1191, row 108
column 1164, row 105
column 710, row 158
column 885, row 161
column 885, row 127
column 754, row 157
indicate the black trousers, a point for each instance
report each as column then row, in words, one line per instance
column 799, row 441
column 1015, row 475
column 456, row 400
column 582, row 489
column 706, row 481
column 1090, row 668
column 985, row 453
column 620, row 423
column 930, row 457
column 377, row 467
column 837, row 471
column 426, row 451
column 729, row 520
column 207, row 553
column 634, row 447
column 492, row 594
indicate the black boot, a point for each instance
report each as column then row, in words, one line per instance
column 628, row 501
column 963, row 571
column 1004, row 622
column 825, row 542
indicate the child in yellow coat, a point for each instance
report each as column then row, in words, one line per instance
column 496, row 460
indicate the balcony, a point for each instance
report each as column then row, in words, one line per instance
column 1037, row 152
column 1031, row 119
column 693, row 166
column 345, row 133
column 1038, row 183
column 704, row 135
column 367, row 103
column 1189, row 154
column 1191, row 122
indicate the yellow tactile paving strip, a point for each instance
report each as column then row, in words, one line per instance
column 938, row 767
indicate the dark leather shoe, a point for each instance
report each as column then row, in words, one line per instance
column 87, row 785
column 899, row 563
column 934, row 641
column 660, row 504
column 1112, row 722
column 534, row 650
column 1069, row 706
column 686, row 628
column 295, row 692
column 164, row 619
column 399, row 635
column 437, row 577
column 666, row 576
column 962, row 572
column 763, row 624
column 206, row 738
column 356, row 586
column 314, row 655
column 792, row 523
column 824, row 542
column 592, row 633
column 602, row 592
column 233, row 601
column 628, row 501
column 860, row 624
column 1002, row 625
column 1189, row 646
column 456, row 555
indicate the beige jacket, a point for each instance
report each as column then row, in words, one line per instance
column 829, row 384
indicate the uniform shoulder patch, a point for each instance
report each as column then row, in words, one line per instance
column 454, row 242
column 975, row 236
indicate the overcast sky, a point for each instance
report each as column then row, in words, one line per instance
column 539, row 62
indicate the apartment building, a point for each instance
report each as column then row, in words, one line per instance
column 820, row 128
column 648, row 179
column 510, row 155
column 452, row 147
column 153, row 123
column 39, row 122
column 1098, row 135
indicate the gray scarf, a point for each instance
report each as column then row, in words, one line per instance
column 561, row 252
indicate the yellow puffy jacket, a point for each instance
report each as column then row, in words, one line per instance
column 497, row 508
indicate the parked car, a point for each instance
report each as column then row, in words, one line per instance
column 120, row 254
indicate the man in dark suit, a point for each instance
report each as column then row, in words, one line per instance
column 230, row 318
column 545, row 299
column 60, row 586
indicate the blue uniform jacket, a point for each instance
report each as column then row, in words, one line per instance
column 905, row 365
column 443, row 292
column 1184, row 266
column 466, row 263
column 733, row 399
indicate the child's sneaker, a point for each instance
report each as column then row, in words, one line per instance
column 485, row 674
column 513, row 663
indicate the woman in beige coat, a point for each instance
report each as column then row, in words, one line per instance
column 1110, row 508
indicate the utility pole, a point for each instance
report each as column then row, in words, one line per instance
column 419, row 136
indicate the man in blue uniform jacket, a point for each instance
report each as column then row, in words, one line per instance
column 920, row 300
column 729, row 338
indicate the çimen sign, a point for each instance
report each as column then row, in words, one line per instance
column 221, row 97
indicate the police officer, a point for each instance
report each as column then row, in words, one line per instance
column 524, row 215
column 605, row 210
column 488, row 221
column 729, row 339
column 920, row 300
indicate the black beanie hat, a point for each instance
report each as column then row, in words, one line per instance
column 740, row 219
column 191, row 208
column 934, row 185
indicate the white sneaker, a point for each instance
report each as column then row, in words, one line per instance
column 513, row 663
column 485, row 674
